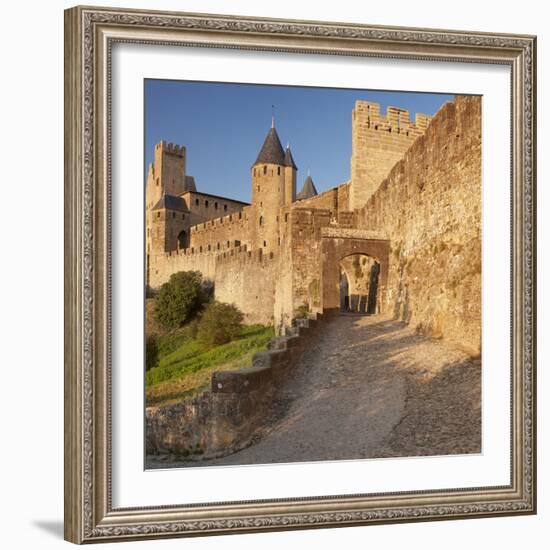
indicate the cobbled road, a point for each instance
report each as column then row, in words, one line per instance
column 371, row 387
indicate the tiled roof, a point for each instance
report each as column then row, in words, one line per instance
column 189, row 184
column 171, row 202
column 308, row 190
column 289, row 160
column 272, row 150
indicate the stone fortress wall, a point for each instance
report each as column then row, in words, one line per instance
column 415, row 190
column 174, row 207
column 222, row 233
column 241, row 276
column 430, row 208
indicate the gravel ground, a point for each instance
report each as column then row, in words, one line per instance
column 371, row 388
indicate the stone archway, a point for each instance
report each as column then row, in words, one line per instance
column 335, row 247
column 359, row 276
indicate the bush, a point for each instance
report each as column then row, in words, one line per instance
column 220, row 323
column 151, row 352
column 179, row 299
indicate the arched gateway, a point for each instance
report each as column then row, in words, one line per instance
column 359, row 276
column 339, row 244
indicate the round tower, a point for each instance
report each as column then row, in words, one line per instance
column 268, row 192
column 290, row 177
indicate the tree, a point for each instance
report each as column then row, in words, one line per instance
column 179, row 299
column 220, row 323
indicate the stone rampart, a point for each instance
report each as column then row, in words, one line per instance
column 221, row 233
column 430, row 209
column 247, row 279
column 243, row 277
column 165, row 264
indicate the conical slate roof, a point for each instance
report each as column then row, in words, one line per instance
column 308, row 190
column 272, row 150
column 289, row 160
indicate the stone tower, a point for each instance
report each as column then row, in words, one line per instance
column 378, row 143
column 170, row 168
column 166, row 214
column 290, row 178
column 273, row 186
column 166, row 176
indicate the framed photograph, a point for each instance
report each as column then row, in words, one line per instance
column 300, row 274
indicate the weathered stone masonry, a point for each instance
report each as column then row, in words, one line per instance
column 412, row 207
column 415, row 193
column 430, row 209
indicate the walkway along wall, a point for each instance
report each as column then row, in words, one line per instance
column 430, row 208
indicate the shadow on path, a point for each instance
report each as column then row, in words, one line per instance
column 371, row 387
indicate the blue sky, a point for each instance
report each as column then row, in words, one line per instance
column 223, row 127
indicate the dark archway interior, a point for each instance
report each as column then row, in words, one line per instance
column 182, row 239
column 359, row 275
column 344, row 291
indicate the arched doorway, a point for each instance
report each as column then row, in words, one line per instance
column 183, row 240
column 367, row 255
column 359, row 283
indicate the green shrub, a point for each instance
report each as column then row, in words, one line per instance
column 220, row 323
column 151, row 352
column 192, row 356
column 179, row 299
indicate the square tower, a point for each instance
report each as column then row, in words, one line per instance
column 378, row 143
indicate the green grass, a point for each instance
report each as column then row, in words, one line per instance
column 186, row 364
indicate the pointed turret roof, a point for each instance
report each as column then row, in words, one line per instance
column 289, row 159
column 272, row 150
column 308, row 189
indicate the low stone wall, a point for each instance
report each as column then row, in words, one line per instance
column 225, row 419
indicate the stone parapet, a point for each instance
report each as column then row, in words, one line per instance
column 225, row 419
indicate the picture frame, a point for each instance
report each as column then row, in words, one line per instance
column 90, row 34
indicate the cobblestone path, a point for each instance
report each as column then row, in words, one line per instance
column 371, row 387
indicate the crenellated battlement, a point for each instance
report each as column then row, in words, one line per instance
column 171, row 148
column 379, row 141
column 235, row 218
column 244, row 256
column 191, row 251
column 237, row 252
column 396, row 120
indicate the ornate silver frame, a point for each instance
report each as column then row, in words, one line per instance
column 89, row 35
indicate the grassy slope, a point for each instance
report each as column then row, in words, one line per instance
column 186, row 365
